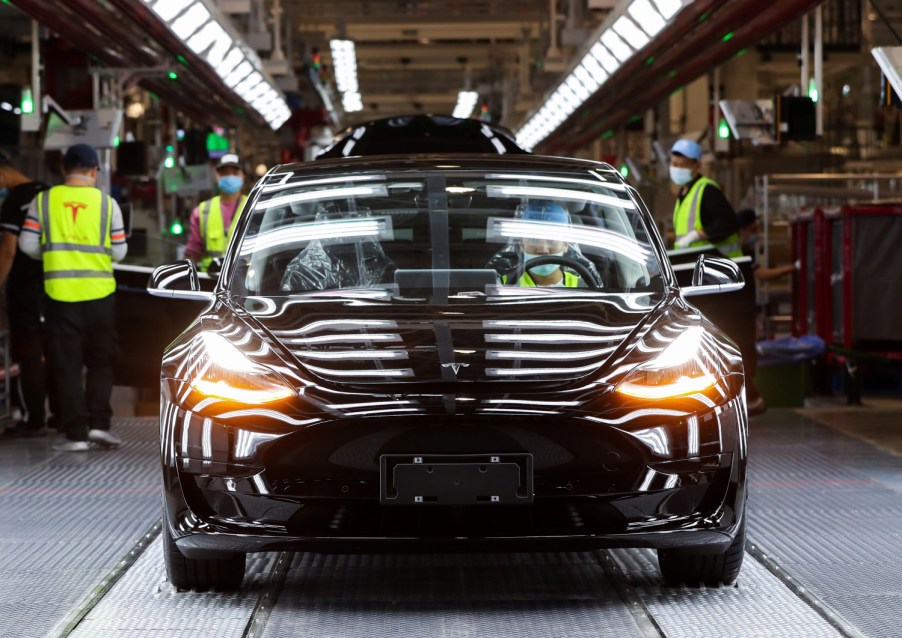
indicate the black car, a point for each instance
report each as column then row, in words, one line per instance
column 459, row 352
column 412, row 134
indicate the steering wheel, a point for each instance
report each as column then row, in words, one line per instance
column 561, row 260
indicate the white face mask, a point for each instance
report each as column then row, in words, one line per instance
column 542, row 270
column 680, row 176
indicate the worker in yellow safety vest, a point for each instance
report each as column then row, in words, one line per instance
column 76, row 230
column 214, row 220
column 702, row 215
column 548, row 274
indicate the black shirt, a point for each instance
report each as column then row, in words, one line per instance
column 26, row 272
column 719, row 220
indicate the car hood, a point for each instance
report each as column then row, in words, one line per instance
column 541, row 341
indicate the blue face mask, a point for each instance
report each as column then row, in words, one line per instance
column 680, row 176
column 542, row 270
column 4, row 193
column 230, row 184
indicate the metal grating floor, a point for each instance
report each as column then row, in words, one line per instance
column 826, row 514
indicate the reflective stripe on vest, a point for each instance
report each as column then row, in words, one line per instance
column 687, row 216
column 570, row 280
column 212, row 228
column 76, row 243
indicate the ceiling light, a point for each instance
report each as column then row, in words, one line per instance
column 668, row 8
column 617, row 46
column 647, row 17
column 607, row 60
column 202, row 29
column 466, row 102
column 630, row 32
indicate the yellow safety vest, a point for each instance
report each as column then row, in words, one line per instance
column 687, row 217
column 570, row 280
column 212, row 228
column 76, row 243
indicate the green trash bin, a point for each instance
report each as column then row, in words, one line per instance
column 784, row 385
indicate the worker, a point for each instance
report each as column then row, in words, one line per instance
column 702, row 215
column 214, row 220
column 748, row 239
column 24, row 281
column 77, row 232
column 547, row 274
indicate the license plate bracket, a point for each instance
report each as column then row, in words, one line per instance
column 455, row 479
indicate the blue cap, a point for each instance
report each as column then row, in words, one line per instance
column 542, row 211
column 687, row 148
column 80, row 156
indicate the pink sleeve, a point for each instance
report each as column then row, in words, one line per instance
column 194, row 250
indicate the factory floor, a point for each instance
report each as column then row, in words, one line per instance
column 81, row 555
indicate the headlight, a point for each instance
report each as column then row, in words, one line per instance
column 676, row 371
column 224, row 372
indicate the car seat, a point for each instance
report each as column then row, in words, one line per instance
column 339, row 262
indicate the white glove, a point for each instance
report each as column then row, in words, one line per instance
column 688, row 238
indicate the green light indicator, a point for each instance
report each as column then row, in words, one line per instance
column 182, row 59
column 728, row 37
column 27, row 101
column 741, row 52
column 723, row 130
column 169, row 162
column 176, row 228
column 170, row 148
column 607, row 134
column 650, row 60
column 116, row 141
column 173, row 75
column 625, row 171
column 812, row 90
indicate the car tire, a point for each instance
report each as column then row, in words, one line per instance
column 680, row 566
column 201, row 574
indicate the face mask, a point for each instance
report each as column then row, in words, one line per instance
column 752, row 239
column 4, row 193
column 680, row 176
column 230, row 184
column 542, row 270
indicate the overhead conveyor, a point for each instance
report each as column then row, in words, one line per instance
column 82, row 557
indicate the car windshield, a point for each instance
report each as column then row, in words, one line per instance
column 417, row 235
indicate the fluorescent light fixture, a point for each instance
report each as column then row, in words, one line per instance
column 202, row 29
column 647, row 17
column 351, row 102
column 578, row 88
column 616, row 45
column 607, row 60
column 466, row 102
column 668, row 8
column 628, row 30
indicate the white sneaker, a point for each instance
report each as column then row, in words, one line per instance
column 66, row 445
column 104, row 438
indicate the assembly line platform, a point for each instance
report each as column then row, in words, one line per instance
column 81, row 556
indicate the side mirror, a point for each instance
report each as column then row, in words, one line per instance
column 714, row 275
column 178, row 281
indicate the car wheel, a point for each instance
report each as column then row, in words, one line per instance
column 694, row 569
column 201, row 574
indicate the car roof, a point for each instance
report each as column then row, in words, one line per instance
column 431, row 161
column 422, row 134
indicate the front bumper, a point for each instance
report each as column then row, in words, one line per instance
column 662, row 482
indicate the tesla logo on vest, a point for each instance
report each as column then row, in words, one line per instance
column 74, row 207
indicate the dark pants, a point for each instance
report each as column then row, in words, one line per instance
column 83, row 334
column 30, row 348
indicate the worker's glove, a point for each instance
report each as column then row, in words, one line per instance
column 687, row 239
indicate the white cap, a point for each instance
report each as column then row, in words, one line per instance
column 229, row 159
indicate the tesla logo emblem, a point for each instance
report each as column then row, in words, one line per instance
column 456, row 366
column 74, row 207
